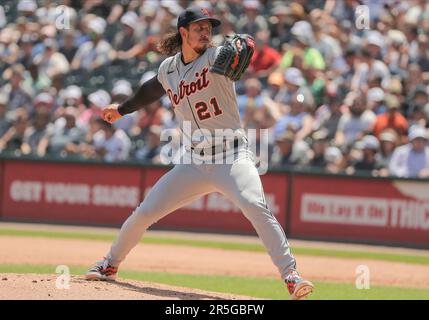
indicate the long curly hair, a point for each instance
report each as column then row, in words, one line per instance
column 170, row 44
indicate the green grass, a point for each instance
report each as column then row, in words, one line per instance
column 392, row 257
column 267, row 288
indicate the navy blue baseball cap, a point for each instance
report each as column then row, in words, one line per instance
column 194, row 14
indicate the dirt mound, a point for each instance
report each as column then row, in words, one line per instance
column 206, row 261
column 44, row 287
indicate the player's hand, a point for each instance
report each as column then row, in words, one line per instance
column 111, row 114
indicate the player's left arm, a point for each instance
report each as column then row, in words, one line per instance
column 149, row 92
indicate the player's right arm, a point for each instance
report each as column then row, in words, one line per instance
column 149, row 92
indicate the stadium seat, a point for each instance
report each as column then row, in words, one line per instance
column 76, row 77
column 122, row 69
column 98, row 79
column 10, row 10
column 111, row 31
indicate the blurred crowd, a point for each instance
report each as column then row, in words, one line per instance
column 337, row 90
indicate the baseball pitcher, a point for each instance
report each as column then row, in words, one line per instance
column 199, row 80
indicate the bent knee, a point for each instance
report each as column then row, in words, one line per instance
column 150, row 211
column 253, row 206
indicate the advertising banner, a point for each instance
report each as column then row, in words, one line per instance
column 1, row 187
column 367, row 210
column 71, row 193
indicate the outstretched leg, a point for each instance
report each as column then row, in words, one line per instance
column 180, row 186
column 240, row 182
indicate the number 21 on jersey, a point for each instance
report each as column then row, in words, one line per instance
column 203, row 111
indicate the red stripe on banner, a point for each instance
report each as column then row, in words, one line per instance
column 2, row 195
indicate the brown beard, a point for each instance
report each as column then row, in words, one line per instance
column 201, row 51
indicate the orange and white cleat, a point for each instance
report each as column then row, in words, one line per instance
column 298, row 287
column 102, row 271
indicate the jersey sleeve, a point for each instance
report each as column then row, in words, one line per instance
column 166, row 66
column 149, row 92
column 212, row 54
column 161, row 72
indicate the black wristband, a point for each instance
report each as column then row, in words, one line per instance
column 122, row 110
column 148, row 92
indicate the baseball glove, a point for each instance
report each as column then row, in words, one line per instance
column 234, row 56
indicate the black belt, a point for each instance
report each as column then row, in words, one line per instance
column 212, row 150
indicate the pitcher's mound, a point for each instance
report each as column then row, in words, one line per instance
column 44, row 287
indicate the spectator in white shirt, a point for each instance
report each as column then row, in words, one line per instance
column 353, row 125
column 121, row 91
column 51, row 62
column 94, row 53
column 111, row 144
column 412, row 159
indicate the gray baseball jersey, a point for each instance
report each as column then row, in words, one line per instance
column 207, row 100
column 197, row 95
